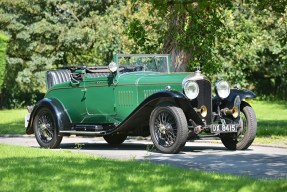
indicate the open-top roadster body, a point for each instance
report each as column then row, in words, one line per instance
column 137, row 95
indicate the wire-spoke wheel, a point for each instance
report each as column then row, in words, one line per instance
column 45, row 128
column 168, row 128
column 246, row 131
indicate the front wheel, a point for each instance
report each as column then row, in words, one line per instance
column 45, row 128
column 246, row 132
column 168, row 128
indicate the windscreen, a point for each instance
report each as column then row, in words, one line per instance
column 155, row 63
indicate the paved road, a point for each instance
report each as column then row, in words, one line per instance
column 257, row 161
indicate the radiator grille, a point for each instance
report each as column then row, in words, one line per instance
column 204, row 98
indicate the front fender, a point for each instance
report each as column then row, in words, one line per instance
column 180, row 100
column 141, row 115
column 233, row 100
column 236, row 96
column 62, row 118
column 241, row 93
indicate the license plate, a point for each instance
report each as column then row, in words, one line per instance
column 220, row 128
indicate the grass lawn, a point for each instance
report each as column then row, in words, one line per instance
column 272, row 122
column 28, row 169
column 12, row 121
column 271, row 117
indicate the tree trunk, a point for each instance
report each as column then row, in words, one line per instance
column 176, row 24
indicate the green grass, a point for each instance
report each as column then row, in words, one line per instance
column 271, row 118
column 28, row 169
column 12, row 121
column 271, row 122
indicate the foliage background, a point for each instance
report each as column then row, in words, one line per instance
column 3, row 45
column 243, row 41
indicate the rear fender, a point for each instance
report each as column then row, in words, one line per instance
column 63, row 120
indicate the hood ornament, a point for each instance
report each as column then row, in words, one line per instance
column 197, row 72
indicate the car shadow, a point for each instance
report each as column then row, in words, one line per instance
column 103, row 146
column 137, row 146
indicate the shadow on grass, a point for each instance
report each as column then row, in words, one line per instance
column 72, row 172
column 272, row 127
column 16, row 127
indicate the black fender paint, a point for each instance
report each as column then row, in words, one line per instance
column 63, row 120
column 142, row 113
column 235, row 98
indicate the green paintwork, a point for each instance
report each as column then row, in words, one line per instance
column 133, row 88
column 111, row 99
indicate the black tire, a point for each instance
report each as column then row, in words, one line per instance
column 45, row 128
column 168, row 128
column 247, row 131
column 116, row 139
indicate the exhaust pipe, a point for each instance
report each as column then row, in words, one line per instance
column 234, row 111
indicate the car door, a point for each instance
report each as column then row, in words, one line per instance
column 99, row 100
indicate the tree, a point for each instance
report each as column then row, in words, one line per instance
column 47, row 34
column 242, row 41
column 52, row 34
column 253, row 46
column 245, row 37
column 3, row 45
column 191, row 31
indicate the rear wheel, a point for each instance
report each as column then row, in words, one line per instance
column 45, row 128
column 246, row 132
column 168, row 128
column 116, row 139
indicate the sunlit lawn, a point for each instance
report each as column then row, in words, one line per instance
column 12, row 121
column 272, row 122
column 271, row 117
column 28, row 169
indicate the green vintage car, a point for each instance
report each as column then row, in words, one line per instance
column 138, row 95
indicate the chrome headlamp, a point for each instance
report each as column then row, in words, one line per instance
column 113, row 67
column 222, row 89
column 191, row 89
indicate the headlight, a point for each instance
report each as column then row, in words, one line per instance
column 113, row 67
column 191, row 89
column 222, row 89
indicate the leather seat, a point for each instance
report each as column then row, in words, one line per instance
column 57, row 76
column 63, row 75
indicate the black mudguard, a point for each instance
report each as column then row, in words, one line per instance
column 234, row 99
column 63, row 120
column 140, row 116
column 236, row 96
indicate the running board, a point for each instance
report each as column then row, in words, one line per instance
column 91, row 133
column 87, row 128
